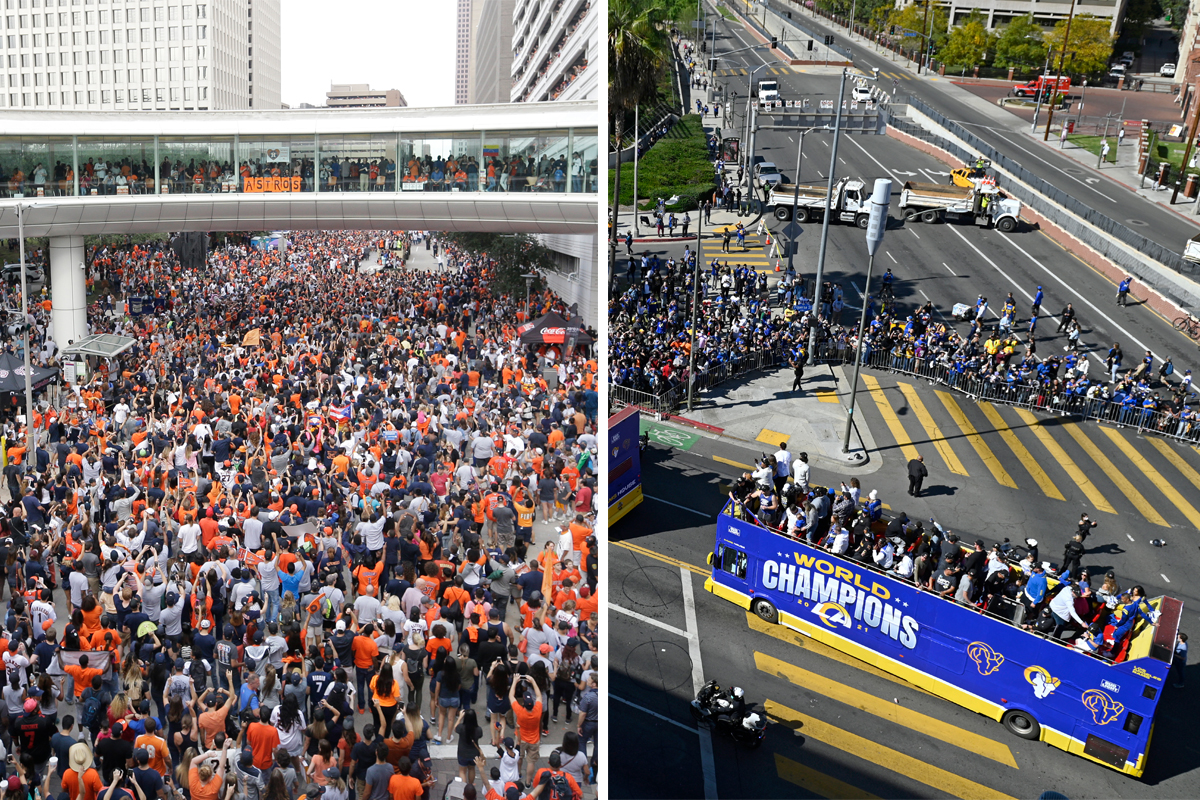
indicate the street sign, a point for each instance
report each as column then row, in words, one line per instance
column 803, row 305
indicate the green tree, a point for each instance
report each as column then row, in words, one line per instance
column 1021, row 45
column 913, row 17
column 968, row 43
column 514, row 254
column 1089, row 48
column 638, row 49
column 1138, row 16
column 1176, row 12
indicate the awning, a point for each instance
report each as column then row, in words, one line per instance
column 106, row 345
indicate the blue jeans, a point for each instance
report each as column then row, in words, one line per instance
column 271, row 599
column 362, row 679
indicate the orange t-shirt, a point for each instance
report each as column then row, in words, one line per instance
column 263, row 740
column 82, row 675
column 92, row 785
column 404, row 787
column 529, row 723
column 157, row 749
column 211, row 789
column 365, row 650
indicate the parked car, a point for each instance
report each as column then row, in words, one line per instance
column 12, row 273
column 765, row 172
column 1167, row 70
column 1117, row 71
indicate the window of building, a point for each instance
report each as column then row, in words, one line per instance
column 119, row 95
column 106, row 96
column 91, row 96
column 159, row 13
column 202, row 11
column 174, row 73
column 201, row 31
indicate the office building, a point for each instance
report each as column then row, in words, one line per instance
column 999, row 13
column 491, row 52
column 462, row 52
column 556, row 47
column 137, row 56
column 361, row 95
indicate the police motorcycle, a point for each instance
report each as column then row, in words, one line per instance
column 727, row 711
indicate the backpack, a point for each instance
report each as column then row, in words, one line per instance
column 560, row 788
column 414, row 667
column 327, row 610
column 337, row 696
column 89, row 717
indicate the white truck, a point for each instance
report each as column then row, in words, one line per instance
column 1191, row 250
column 985, row 204
column 768, row 91
column 849, row 202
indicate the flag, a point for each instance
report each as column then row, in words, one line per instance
column 341, row 413
column 253, row 338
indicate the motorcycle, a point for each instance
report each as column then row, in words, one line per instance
column 643, row 442
column 726, row 710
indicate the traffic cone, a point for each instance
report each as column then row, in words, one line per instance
column 777, row 267
column 768, row 239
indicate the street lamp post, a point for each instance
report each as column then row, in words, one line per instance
column 637, row 147
column 691, row 389
column 796, row 196
column 875, row 229
column 1061, row 61
column 529, row 277
column 1041, row 92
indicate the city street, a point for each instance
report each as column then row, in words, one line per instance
column 855, row 731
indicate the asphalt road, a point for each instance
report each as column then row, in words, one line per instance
column 840, row 728
column 998, row 129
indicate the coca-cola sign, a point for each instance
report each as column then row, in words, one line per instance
column 553, row 331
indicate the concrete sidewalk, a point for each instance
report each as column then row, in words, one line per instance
column 762, row 408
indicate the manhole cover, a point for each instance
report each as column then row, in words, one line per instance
column 653, row 587
column 1137, row 222
column 661, row 665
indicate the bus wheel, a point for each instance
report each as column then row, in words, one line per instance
column 765, row 611
column 1021, row 724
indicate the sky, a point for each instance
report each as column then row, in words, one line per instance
column 389, row 44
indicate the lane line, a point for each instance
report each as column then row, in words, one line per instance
column 892, row 257
column 1130, row 538
column 654, row 714
column 708, row 764
column 676, row 505
column 1115, row 475
column 1164, row 577
column 1094, row 495
column 731, row 462
column 642, row 551
column 1039, row 158
column 932, row 429
column 892, row 712
column 889, row 416
column 817, row 783
column 985, row 453
column 1019, row 450
column 893, row 760
column 1176, row 460
column 1146, row 468
column 648, row 620
column 947, row 266
column 912, row 230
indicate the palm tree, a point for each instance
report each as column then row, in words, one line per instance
column 638, row 50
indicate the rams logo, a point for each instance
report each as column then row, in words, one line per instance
column 987, row 659
column 1040, row 680
column 833, row 615
column 1104, row 709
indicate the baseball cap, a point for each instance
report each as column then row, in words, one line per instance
column 333, row 773
column 31, row 705
column 205, row 624
column 508, row 742
column 544, row 649
column 341, row 625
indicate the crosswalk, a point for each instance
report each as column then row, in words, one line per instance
column 897, row 75
column 757, row 255
column 732, row 72
column 1100, row 467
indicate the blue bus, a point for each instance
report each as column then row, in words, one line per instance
column 1040, row 689
column 624, row 463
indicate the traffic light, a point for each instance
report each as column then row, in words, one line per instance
column 810, row 44
column 828, row 40
column 712, row 65
column 774, row 42
column 704, row 45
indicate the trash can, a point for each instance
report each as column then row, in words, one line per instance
column 1192, row 186
column 1070, row 126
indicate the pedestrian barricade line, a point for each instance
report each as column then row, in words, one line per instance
column 1108, row 468
column 1146, row 468
column 1021, row 452
column 985, row 453
column 932, row 430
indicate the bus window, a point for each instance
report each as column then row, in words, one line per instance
column 731, row 560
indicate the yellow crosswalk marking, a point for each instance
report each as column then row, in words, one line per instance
column 1147, row 469
column 732, row 463
column 876, row 706
column 816, row 782
column 1176, row 461
column 827, row 396
column 985, row 453
column 768, row 436
column 889, row 416
column 1023, row 455
column 893, row 760
column 1094, row 495
column 1110, row 469
column 741, row 72
column 791, row 637
column 932, row 429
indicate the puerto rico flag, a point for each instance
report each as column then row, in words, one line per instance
column 341, row 413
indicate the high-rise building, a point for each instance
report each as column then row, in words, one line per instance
column 998, row 13
column 555, row 50
column 491, row 52
column 140, row 56
column 360, row 95
column 462, row 52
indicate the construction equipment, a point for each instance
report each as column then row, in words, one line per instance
column 984, row 204
column 849, row 202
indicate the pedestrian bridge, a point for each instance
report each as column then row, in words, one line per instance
column 522, row 167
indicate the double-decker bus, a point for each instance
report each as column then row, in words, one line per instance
column 1039, row 688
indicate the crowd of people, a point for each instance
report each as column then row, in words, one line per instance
column 316, row 521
